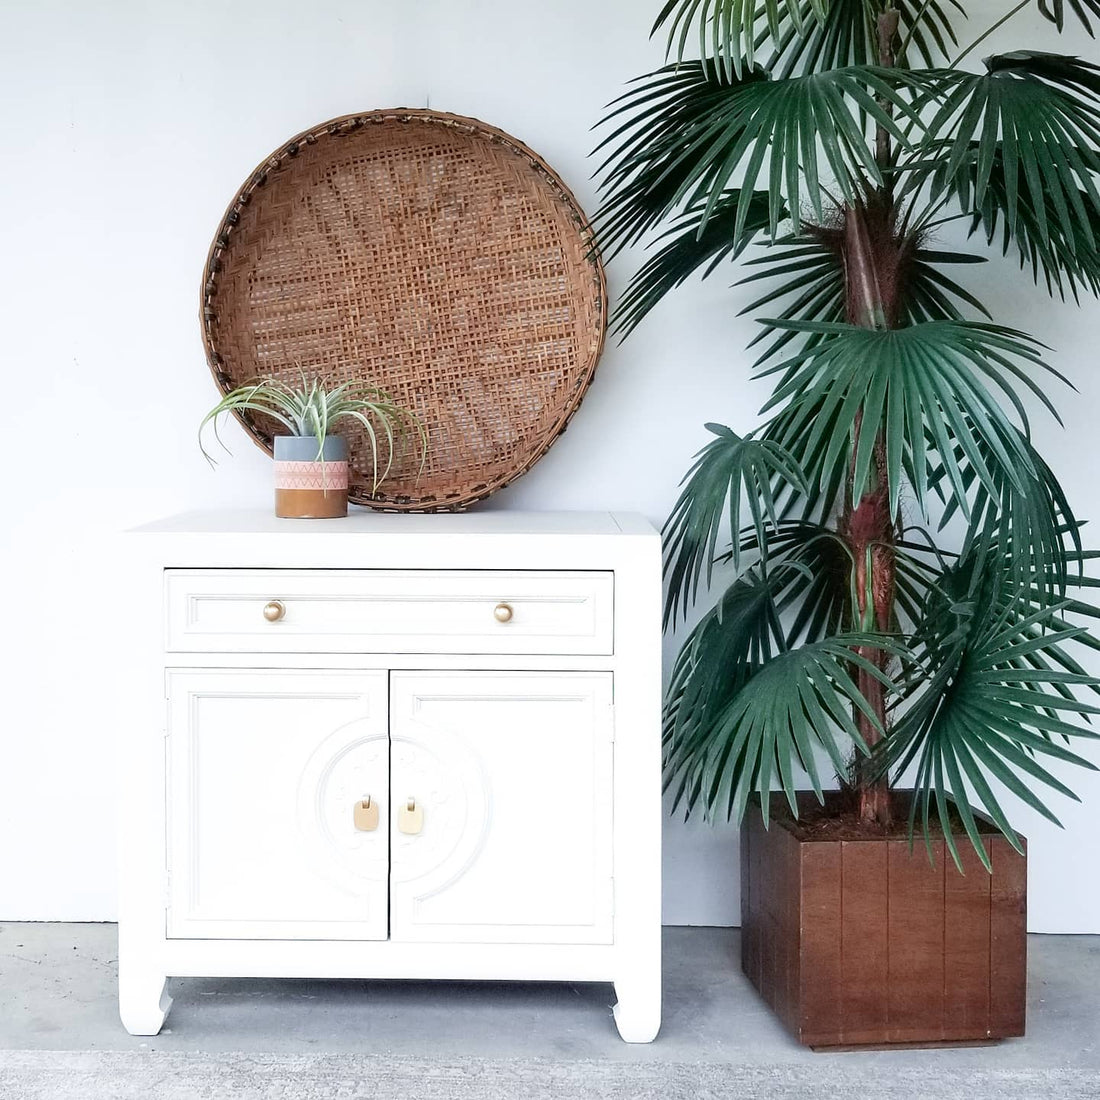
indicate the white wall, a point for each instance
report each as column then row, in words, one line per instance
column 127, row 127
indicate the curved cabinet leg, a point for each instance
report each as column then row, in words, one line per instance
column 143, row 1002
column 638, row 1009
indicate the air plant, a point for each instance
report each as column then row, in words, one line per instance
column 314, row 409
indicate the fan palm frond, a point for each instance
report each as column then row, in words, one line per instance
column 848, row 35
column 929, row 294
column 1020, row 146
column 688, row 130
column 685, row 251
column 814, row 596
column 732, row 31
column 844, row 36
column 804, row 35
column 1061, row 248
column 803, row 279
column 927, row 27
column 643, row 180
column 1031, row 520
column 993, row 703
column 921, row 387
column 1055, row 11
column 724, row 741
column 726, row 469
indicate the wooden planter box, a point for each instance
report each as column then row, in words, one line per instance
column 860, row 943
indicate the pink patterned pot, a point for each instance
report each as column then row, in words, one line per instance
column 309, row 485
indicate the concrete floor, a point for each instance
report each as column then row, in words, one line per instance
column 57, row 992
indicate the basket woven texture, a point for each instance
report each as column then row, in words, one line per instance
column 430, row 255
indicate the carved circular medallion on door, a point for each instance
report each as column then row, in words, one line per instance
column 340, row 773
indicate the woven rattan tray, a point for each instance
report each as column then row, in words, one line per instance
column 428, row 254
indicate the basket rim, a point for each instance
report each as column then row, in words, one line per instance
column 349, row 123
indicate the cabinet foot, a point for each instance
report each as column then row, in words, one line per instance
column 143, row 1002
column 638, row 1010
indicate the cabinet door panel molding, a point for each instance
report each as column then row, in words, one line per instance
column 264, row 769
column 522, row 763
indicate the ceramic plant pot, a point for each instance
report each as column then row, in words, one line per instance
column 308, row 486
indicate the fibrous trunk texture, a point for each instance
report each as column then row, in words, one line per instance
column 873, row 257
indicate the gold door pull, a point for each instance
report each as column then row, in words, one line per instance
column 365, row 815
column 503, row 612
column 274, row 611
column 410, row 818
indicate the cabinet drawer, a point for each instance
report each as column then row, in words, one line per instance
column 388, row 611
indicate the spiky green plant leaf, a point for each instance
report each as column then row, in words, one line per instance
column 726, row 739
column 996, row 700
column 801, row 36
column 728, row 469
column 1059, row 244
column 848, row 35
column 1055, row 11
column 927, row 28
column 804, row 277
column 844, row 36
column 814, row 595
column 732, row 31
column 688, row 130
column 1020, row 143
column 643, row 180
column 689, row 249
column 1030, row 519
column 923, row 388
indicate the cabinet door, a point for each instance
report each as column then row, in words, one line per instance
column 265, row 769
column 512, row 774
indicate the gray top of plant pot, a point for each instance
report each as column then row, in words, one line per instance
column 304, row 448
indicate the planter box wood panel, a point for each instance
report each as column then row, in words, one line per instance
column 862, row 943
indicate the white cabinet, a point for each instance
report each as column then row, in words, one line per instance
column 393, row 746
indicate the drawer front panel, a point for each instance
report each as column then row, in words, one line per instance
column 388, row 611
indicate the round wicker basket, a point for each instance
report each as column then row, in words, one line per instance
column 430, row 255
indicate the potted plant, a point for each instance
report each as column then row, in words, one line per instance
column 311, row 467
column 902, row 608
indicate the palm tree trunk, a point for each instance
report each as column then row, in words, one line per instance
column 870, row 536
column 872, row 254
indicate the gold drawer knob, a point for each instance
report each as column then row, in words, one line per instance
column 274, row 611
column 503, row 612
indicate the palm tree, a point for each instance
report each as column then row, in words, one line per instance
column 835, row 137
